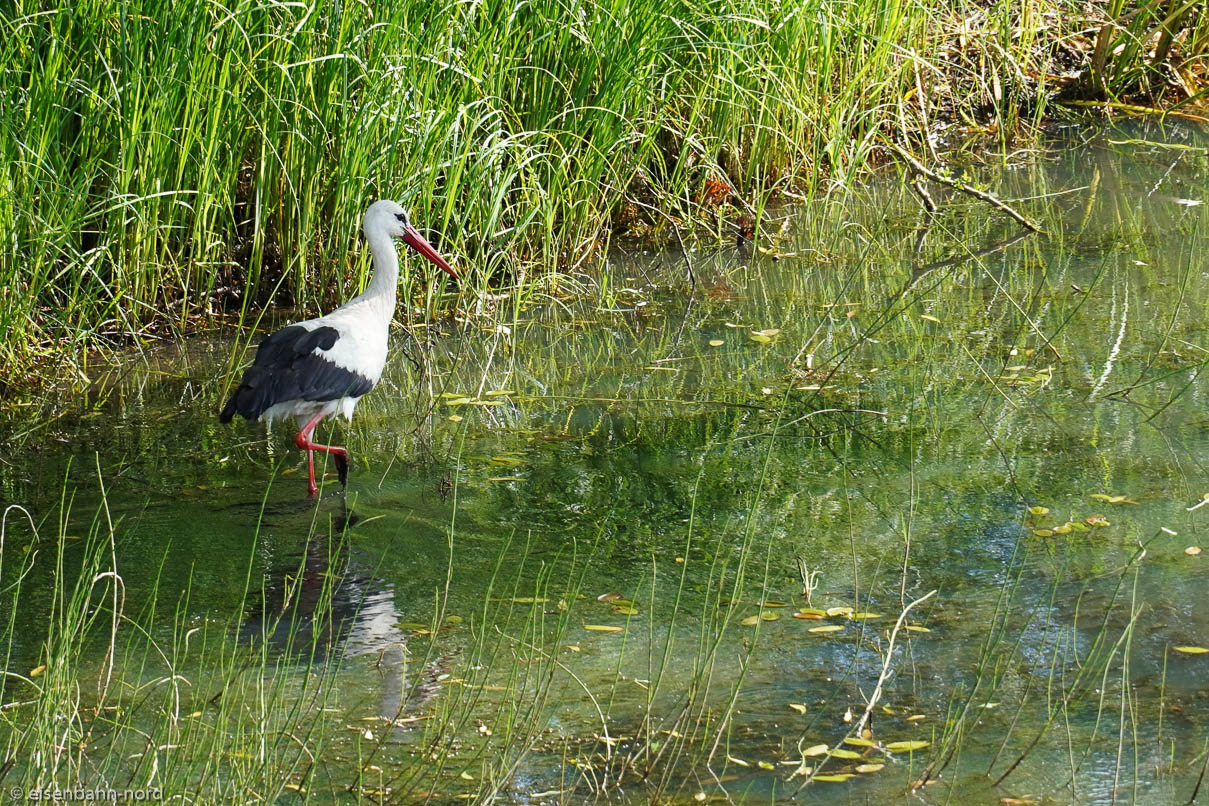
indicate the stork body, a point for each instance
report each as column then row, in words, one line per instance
column 314, row 369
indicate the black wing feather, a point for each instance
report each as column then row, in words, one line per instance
column 286, row 368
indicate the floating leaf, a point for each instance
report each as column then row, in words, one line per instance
column 799, row 707
column 907, row 747
column 760, row 338
column 1038, row 510
column 738, row 761
column 1064, row 529
column 499, row 392
column 456, row 418
column 866, row 616
column 869, row 767
column 769, row 616
column 625, row 610
column 815, row 750
column 505, row 478
column 836, row 778
column 1097, row 520
column 765, row 765
column 37, row 670
column 1192, row 551
column 603, row 628
column 507, row 461
column 1113, row 499
column 716, row 342
column 458, row 401
column 839, row 752
column 769, row 332
column 858, row 742
column 839, row 611
column 917, row 628
column 750, row 621
column 528, row 600
column 806, row 614
column 827, row 628
column 1191, row 650
column 608, row 597
column 768, row 603
column 929, row 317
column 916, row 717
column 1043, row 532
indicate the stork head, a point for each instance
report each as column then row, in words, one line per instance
column 389, row 217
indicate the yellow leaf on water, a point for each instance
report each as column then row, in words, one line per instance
column 917, row 628
column 815, row 750
column 750, row 621
column 1191, row 650
column 858, row 742
column 738, row 761
column 1192, row 551
column 603, row 628
column 37, row 670
column 906, row 747
column 841, row 753
column 1038, row 510
column 716, row 342
column 827, row 628
column 766, row 765
column 836, row 778
column 839, row 611
column 929, row 318
column 760, row 338
column 869, row 767
column 799, row 707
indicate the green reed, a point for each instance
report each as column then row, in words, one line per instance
column 167, row 164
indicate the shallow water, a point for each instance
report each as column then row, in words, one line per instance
column 923, row 388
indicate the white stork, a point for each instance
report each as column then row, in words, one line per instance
column 319, row 367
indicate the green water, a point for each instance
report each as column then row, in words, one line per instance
column 924, row 387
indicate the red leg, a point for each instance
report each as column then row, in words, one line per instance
column 339, row 454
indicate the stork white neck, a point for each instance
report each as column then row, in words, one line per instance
column 380, row 293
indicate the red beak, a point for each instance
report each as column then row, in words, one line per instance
column 415, row 240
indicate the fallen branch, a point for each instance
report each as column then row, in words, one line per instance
column 921, row 170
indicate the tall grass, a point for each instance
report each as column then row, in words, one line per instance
column 168, row 163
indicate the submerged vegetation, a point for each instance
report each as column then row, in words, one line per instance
column 165, row 164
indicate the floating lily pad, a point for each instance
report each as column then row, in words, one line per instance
column 839, row 752
column 836, row 778
column 826, row 628
column 815, row 750
column 1038, row 510
column 603, row 628
column 716, row 342
column 856, row 741
column 869, row 767
column 840, row 611
column 1191, row 650
column 797, row 706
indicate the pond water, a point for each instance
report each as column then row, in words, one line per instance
column 571, row 559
